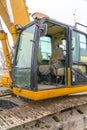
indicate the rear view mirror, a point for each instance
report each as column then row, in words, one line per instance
column 43, row 30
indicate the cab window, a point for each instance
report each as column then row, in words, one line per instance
column 45, row 50
column 79, row 58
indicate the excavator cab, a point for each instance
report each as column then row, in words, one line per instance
column 47, row 60
column 39, row 56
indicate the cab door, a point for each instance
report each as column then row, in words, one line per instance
column 79, row 58
column 23, row 61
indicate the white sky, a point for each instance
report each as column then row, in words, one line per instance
column 61, row 10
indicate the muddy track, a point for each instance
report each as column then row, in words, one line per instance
column 24, row 112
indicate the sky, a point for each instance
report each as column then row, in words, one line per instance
column 66, row 11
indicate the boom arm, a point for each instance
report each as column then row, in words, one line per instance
column 4, row 14
column 13, row 12
column 16, row 9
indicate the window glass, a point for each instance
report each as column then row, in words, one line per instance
column 44, row 51
column 23, row 58
column 25, row 48
column 79, row 58
column 79, row 46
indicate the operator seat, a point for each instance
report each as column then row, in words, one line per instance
column 43, row 69
column 57, row 64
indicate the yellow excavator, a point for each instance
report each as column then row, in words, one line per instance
column 50, row 60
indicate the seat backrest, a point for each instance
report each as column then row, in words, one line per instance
column 55, row 64
column 57, row 54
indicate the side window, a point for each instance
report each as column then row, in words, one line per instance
column 79, row 58
column 79, row 45
column 22, row 68
column 45, row 50
column 83, row 48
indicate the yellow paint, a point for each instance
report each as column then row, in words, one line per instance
column 3, row 38
column 4, row 13
column 69, row 77
column 6, row 80
column 46, row 94
column 14, row 32
column 20, row 15
column 20, row 12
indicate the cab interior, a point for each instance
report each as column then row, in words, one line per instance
column 52, row 58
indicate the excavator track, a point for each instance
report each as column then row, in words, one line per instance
column 25, row 112
column 5, row 91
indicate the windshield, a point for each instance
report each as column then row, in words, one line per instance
column 23, row 58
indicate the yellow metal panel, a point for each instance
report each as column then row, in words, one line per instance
column 20, row 12
column 3, row 38
column 20, row 15
column 46, row 94
column 14, row 33
column 69, row 77
column 6, row 80
column 4, row 13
